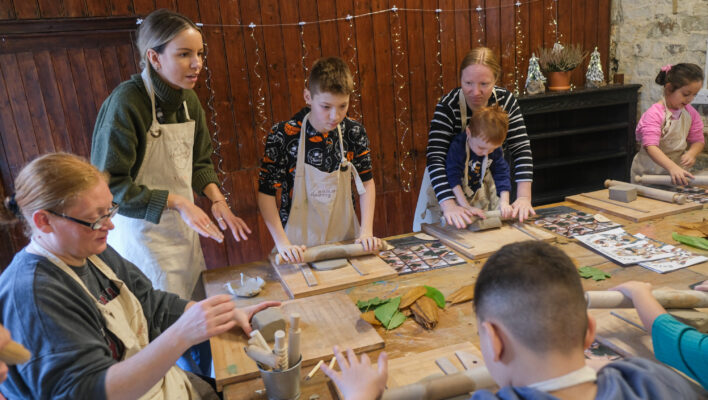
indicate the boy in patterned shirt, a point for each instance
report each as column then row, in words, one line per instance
column 313, row 171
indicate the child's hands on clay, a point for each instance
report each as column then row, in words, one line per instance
column 292, row 253
column 506, row 210
column 357, row 379
column 687, row 160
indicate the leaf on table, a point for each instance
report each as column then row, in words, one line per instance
column 370, row 317
column 396, row 320
column 366, row 305
column 461, row 295
column 593, row 273
column 412, row 295
column 694, row 241
column 436, row 295
column 385, row 311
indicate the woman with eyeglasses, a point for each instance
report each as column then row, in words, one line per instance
column 93, row 322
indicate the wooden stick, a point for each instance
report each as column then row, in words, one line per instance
column 666, row 180
column 443, row 387
column 667, row 299
column 658, row 194
column 315, row 369
column 332, row 362
column 294, row 339
column 330, row 251
column 257, row 354
column 627, row 321
column 617, row 203
column 281, row 350
column 14, row 353
column 258, row 340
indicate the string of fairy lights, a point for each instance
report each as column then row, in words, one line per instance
column 405, row 164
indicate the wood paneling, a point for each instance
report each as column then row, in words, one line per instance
column 59, row 60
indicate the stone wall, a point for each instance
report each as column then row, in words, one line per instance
column 645, row 35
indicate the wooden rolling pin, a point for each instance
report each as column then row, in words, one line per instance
column 658, row 194
column 666, row 180
column 330, row 251
column 667, row 298
column 14, row 353
column 443, row 387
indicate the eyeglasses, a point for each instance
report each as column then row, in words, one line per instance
column 96, row 225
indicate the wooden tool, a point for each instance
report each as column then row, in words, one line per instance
column 258, row 340
column 657, row 194
column 325, row 320
column 257, row 354
column 314, row 370
column 468, row 360
column 307, row 274
column 294, row 339
column 14, row 353
column 443, row 387
column 522, row 228
column 665, row 180
column 281, row 351
column 615, row 202
column 614, row 314
column 446, row 366
column 331, row 251
column 667, row 298
column 654, row 208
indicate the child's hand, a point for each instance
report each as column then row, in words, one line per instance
column 292, row 253
column 634, row 289
column 687, row 160
column 476, row 211
column 679, row 176
column 506, row 210
column 370, row 242
column 358, row 380
column 455, row 215
column 703, row 287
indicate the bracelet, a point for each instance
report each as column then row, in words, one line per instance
column 219, row 201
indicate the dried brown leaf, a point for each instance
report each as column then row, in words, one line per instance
column 461, row 295
column 411, row 296
column 425, row 312
column 370, row 318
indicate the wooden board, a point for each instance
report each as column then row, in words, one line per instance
column 654, row 208
column 295, row 285
column 325, row 320
column 621, row 336
column 483, row 243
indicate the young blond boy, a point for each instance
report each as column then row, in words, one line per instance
column 533, row 327
column 313, row 171
column 478, row 152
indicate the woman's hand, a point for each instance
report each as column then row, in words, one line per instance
column 522, row 208
column 225, row 218
column 291, row 253
column 243, row 316
column 200, row 321
column 506, row 210
column 194, row 217
column 357, row 379
column 455, row 215
column 679, row 176
column 369, row 242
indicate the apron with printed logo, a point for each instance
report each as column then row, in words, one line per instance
column 672, row 143
column 428, row 211
column 123, row 316
column 321, row 210
column 168, row 253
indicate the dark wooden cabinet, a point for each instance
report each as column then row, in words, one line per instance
column 580, row 138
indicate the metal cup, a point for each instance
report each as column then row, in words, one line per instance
column 282, row 385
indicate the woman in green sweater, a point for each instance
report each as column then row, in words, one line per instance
column 151, row 135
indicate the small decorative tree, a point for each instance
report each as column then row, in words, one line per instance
column 535, row 81
column 594, row 77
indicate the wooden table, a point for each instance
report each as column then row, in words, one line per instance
column 457, row 323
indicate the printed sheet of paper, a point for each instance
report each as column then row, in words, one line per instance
column 626, row 248
column 415, row 256
column 571, row 222
column 680, row 258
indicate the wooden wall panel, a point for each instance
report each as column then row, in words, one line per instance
column 55, row 73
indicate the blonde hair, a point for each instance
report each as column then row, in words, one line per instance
column 489, row 123
column 158, row 29
column 49, row 182
column 482, row 56
column 330, row 75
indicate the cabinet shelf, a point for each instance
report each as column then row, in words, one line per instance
column 579, row 131
column 560, row 162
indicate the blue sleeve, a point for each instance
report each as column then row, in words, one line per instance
column 500, row 171
column 681, row 347
column 455, row 163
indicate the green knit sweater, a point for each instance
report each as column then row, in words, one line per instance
column 119, row 141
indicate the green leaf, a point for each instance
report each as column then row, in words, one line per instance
column 365, row 305
column 436, row 295
column 385, row 311
column 396, row 320
column 694, row 241
column 593, row 273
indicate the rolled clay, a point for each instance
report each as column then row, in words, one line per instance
column 658, row 194
column 666, row 180
column 327, row 265
column 443, row 387
column 268, row 322
column 667, row 298
column 330, row 251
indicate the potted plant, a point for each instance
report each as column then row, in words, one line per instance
column 558, row 61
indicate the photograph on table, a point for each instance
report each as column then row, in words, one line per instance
column 680, row 259
column 569, row 222
column 695, row 194
column 625, row 248
column 413, row 254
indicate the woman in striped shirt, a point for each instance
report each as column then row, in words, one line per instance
column 479, row 71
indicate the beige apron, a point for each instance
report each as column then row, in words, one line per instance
column 321, row 210
column 123, row 316
column 168, row 253
column 428, row 209
column 673, row 143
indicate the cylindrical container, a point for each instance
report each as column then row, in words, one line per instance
column 282, row 385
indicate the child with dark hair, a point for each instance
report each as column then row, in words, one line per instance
column 671, row 125
column 533, row 328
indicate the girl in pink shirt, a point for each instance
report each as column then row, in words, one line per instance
column 671, row 125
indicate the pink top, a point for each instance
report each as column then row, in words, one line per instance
column 649, row 127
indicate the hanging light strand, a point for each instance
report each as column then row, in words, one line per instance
column 356, row 94
column 482, row 34
column 260, row 96
column 399, row 80
column 438, row 53
column 519, row 56
column 304, row 53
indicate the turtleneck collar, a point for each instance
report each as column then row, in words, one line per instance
column 170, row 99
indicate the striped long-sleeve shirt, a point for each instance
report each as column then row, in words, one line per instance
column 446, row 125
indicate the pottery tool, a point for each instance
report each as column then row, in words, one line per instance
column 617, row 203
column 614, row 314
column 307, row 274
column 492, row 219
column 520, row 227
column 332, row 362
column 446, row 366
column 665, row 180
column 294, row 339
column 358, row 269
column 443, row 387
column 314, row 370
column 330, row 251
column 258, row 340
column 667, row 299
column 14, row 353
column 657, row 194
column 257, row 354
column 468, row 360
column 281, row 350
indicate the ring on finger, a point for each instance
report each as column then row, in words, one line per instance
column 207, row 225
column 219, row 219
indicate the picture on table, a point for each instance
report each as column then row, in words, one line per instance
column 574, row 223
column 418, row 256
